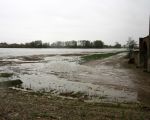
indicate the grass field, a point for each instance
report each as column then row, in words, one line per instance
column 88, row 58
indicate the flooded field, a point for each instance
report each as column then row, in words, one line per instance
column 13, row 52
column 59, row 72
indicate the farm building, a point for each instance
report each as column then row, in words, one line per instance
column 141, row 56
column 144, row 53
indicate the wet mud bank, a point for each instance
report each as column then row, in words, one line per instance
column 10, row 83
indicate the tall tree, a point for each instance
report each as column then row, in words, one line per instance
column 98, row 44
column 117, row 45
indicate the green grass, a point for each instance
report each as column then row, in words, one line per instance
column 88, row 58
column 6, row 74
column 72, row 94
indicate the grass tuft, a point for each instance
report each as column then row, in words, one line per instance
column 6, row 74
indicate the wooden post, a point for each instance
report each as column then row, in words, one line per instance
column 141, row 60
column 148, row 67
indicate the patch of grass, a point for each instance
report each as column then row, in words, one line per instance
column 102, row 97
column 72, row 94
column 6, row 74
column 37, row 93
column 32, row 58
column 98, row 56
column 40, row 115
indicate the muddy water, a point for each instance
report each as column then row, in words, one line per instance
column 13, row 52
column 101, row 80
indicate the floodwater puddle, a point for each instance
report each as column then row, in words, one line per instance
column 64, row 76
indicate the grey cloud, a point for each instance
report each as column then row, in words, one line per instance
column 50, row 20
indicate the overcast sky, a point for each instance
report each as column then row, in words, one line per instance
column 51, row 20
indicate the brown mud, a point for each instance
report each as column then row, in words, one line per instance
column 132, row 77
column 19, row 105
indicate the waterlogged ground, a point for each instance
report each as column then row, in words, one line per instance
column 13, row 52
column 107, row 80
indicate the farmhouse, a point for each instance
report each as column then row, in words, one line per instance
column 141, row 56
column 144, row 53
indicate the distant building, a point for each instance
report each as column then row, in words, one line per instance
column 141, row 56
column 144, row 53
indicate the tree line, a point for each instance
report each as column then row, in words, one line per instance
column 61, row 44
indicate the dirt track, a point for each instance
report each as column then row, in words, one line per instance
column 124, row 75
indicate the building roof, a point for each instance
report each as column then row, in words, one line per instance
column 146, row 36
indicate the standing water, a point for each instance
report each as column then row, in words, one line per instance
column 58, row 72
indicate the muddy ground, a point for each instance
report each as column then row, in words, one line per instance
column 121, row 79
column 18, row 105
column 127, row 76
